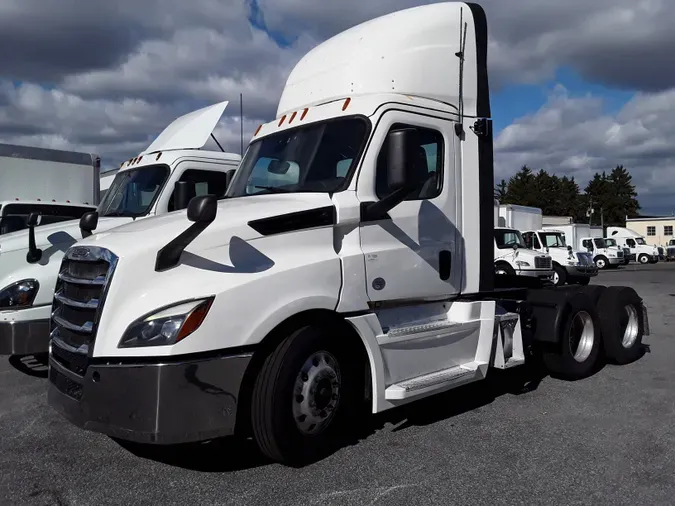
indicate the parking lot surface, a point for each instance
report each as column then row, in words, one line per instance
column 608, row 439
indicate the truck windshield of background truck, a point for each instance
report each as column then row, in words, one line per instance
column 610, row 243
column 505, row 239
column 599, row 243
column 15, row 216
column 553, row 239
column 133, row 192
column 319, row 157
column 640, row 241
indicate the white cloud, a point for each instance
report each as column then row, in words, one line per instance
column 107, row 77
column 573, row 136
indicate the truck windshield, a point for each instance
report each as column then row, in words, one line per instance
column 505, row 239
column 553, row 239
column 133, row 192
column 318, row 157
column 640, row 241
column 599, row 243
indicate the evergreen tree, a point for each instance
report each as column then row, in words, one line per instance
column 500, row 191
column 520, row 188
column 624, row 192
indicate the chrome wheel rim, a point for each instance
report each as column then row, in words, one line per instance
column 556, row 278
column 632, row 330
column 582, row 336
column 316, row 393
column 600, row 264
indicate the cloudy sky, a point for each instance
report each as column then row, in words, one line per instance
column 577, row 86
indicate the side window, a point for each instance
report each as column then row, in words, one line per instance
column 428, row 165
column 537, row 244
column 651, row 231
column 527, row 237
column 207, row 182
column 668, row 230
column 630, row 242
column 587, row 244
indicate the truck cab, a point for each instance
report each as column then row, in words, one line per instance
column 513, row 257
column 670, row 251
column 611, row 243
column 158, row 181
column 604, row 256
column 569, row 265
column 348, row 271
column 639, row 249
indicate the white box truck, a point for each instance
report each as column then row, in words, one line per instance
column 513, row 257
column 361, row 281
column 639, row 249
column 584, row 237
column 159, row 180
column 60, row 185
column 570, row 265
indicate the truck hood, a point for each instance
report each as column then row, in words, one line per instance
column 232, row 220
column 57, row 235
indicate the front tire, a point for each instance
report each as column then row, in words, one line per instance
column 504, row 269
column 303, row 395
column 643, row 259
column 601, row 262
column 559, row 275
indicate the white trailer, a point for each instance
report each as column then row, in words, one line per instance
column 60, row 185
column 158, row 181
column 639, row 249
column 293, row 308
column 569, row 265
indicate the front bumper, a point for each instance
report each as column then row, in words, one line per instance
column 582, row 270
column 535, row 273
column 166, row 401
column 615, row 260
column 24, row 337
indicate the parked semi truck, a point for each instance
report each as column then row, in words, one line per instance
column 569, row 265
column 295, row 306
column 642, row 252
column 670, row 251
column 588, row 238
column 60, row 185
column 512, row 255
column 159, row 180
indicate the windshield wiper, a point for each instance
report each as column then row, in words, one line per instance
column 273, row 189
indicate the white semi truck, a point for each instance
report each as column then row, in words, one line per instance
column 512, row 256
column 60, row 185
column 159, row 180
column 361, row 281
column 642, row 252
column 569, row 265
column 584, row 237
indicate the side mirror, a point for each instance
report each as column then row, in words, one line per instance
column 183, row 192
column 202, row 209
column 401, row 158
column 515, row 247
column 34, row 254
column 569, row 248
column 88, row 223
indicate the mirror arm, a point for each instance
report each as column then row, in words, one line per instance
column 34, row 253
column 378, row 210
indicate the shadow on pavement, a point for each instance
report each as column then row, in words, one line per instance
column 31, row 365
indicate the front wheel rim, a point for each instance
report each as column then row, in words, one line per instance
column 556, row 278
column 632, row 330
column 601, row 264
column 581, row 336
column 316, row 393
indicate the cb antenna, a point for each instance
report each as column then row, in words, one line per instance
column 241, row 123
column 459, row 127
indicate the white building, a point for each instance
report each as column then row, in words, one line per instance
column 657, row 230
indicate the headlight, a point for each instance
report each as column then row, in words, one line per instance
column 572, row 262
column 19, row 295
column 166, row 326
column 522, row 263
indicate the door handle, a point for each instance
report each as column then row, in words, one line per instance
column 444, row 264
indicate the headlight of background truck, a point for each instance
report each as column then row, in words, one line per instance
column 19, row 295
column 168, row 325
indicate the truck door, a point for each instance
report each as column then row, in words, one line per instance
column 415, row 252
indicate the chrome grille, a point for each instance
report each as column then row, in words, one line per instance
column 619, row 254
column 542, row 263
column 78, row 300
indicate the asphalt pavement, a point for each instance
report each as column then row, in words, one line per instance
column 608, row 439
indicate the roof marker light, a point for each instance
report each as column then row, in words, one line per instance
column 304, row 113
column 346, row 104
column 158, row 155
column 140, row 158
column 292, row 117
column 257, row 130
column 281, row 121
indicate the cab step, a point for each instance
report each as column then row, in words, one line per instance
column 435, row 381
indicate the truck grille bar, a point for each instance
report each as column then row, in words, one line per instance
column 542, row 263
column 79, row 295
